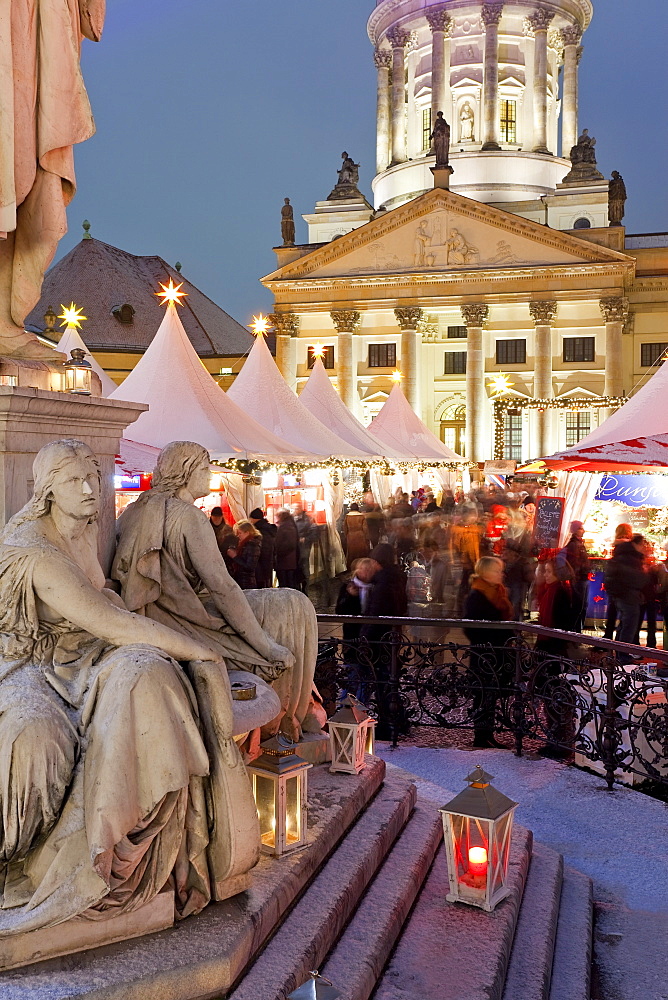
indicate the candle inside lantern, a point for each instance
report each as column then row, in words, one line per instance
column 477, row 861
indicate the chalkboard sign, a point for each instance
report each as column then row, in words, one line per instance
column 547, row 522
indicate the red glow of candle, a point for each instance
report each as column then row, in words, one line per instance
column 477, row 861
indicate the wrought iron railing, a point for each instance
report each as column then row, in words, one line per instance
column 578, row 696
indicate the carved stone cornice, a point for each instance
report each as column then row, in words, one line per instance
column 541, row 19
column 285, row 324
column 543, row 312
column 440, row 20
column 614, row 309
column 475, row 313
column 408, row 317
column 398, row 38
column 346, row 320
column 429, row 329
column 382, row 58
column 491, row 13
column 571, row 34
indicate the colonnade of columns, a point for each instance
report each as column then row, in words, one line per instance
column 391, row 145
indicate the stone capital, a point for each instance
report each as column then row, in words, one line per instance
column 571, row 34
column 285, row 324
column 491, row 13
column 614, row 309
column 440, row 20
column 578, row 53
column 408, row 317
column 527, row 28
column 475, row 313
column 346, row 320
column 541, row 19
column 382, row 58
column 543, row 312
column 555, row 41
column 398, row 38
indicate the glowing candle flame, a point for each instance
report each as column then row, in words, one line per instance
column 477, row 860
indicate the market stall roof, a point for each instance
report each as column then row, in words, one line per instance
column 135, row 458
column 261, row 391
column 641, row 454
column 186, row 404
column 70, row 339
column 405, row 437
column 322, row 400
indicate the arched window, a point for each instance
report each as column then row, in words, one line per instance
column 582, row 223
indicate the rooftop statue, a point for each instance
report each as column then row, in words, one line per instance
column 348, row 179
column 583, row 151
column 287, row 224
column 440, row 139
column 616, row 199
column 44, row 104
column 583, row 162
column 118, row 771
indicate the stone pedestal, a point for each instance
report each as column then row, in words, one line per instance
column 31, row 418
column 442, row 176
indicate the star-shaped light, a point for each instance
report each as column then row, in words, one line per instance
column 318, row 350
column 396, row 377
column 71, row 315
column 499, row 384
column 170, row 294
column 260, row 326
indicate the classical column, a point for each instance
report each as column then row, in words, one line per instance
column 540, row 22
column 614, row 311
column 286, row 326
column 383, row 61
column 571, row 36
column 529, row 65
column 347, row 322
column 408, row 318
column 491, row 15
column 474, row 316
column 543, row 314
column 441, row 26
column 398, row 39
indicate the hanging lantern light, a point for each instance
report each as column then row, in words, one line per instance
column 78, row 373
column 279, row 783
column 315, row 988
column 477, row 827
column 351, row 731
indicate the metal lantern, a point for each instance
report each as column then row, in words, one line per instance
column 315, row 988
column 78, row 373
column 280, row 790
column 477, row 827
column 350, row 736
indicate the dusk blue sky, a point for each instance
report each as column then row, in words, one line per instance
column 210, row 112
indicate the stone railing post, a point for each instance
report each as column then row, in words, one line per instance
column 408, row 318
column 347, row 322
column 475, row 316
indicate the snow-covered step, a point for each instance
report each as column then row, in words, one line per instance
column 571, row 969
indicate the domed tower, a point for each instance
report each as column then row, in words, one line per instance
column 493, row 69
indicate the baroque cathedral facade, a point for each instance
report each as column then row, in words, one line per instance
column 506, row 291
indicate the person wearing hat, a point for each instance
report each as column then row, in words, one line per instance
column 264, row 570
column 578, row 559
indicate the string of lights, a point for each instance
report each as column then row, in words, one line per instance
column 507, row 404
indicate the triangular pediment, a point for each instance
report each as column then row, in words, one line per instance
column 444, row 232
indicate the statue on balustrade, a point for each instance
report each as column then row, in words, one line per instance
column 348, row 179
column 616, row 199
column 287, row 224
column 583, row 161
column 119, row 774
column 440, row 139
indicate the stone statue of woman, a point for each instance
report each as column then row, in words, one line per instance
column 170, row 571
column 44, row 111
column 440, row 138
column 118, row 771
column 466, row 123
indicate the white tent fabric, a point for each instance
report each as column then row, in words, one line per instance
column 578, row 490
column 322, row 400
column 644, row 415
column 404, row 437
column 70, row 339
column 135, row 458
column 261, row 391
column 187, row 405
column 621, row 456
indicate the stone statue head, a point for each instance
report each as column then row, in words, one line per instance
column 182, row 464
column 287, row 201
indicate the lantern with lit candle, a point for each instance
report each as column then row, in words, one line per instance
column 477, row 827
column 315, row 988
column 350, row 736
column 78, row 373
column 279, row 783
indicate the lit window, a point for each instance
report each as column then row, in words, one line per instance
column 327, row 356
column 511, row 352
column 578, row 425
column 579, row 348
column 509, row 121
column 382, row 355
column 426, row 128
column 512, row 435
column 652, row 354
column 455, row 363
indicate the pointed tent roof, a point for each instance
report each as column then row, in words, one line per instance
column 405, row 437
column 641, row 454
column 261, row 391
column 135, row 458
column 186, row 404
column 71, row 339
column 322, row 400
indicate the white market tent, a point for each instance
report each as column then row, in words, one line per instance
column 261, row 392
column 186, row 404
column 322, row 400
column 404, row 437
column 135, row 458
column 70, row 339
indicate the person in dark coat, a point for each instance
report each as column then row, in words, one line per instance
column 265, row 567
column 224, row 534
column 626, row 580
column 387, row 599
column 246, row 555
column 623, row 533
column 557, row 609
column 488, row 601
column 353, row 599
column 576, row 555
column 374, row 524
column 286, row 550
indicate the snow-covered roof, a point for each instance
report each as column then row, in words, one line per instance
column 636, row 455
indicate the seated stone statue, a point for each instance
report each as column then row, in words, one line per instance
column 171, row 571
column 118, row 772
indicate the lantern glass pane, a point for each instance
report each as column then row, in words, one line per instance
column 265, row 803
column 369, row 740
column 344, row 743
column 293, row 810
column 471, row 844
column 500, row 851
